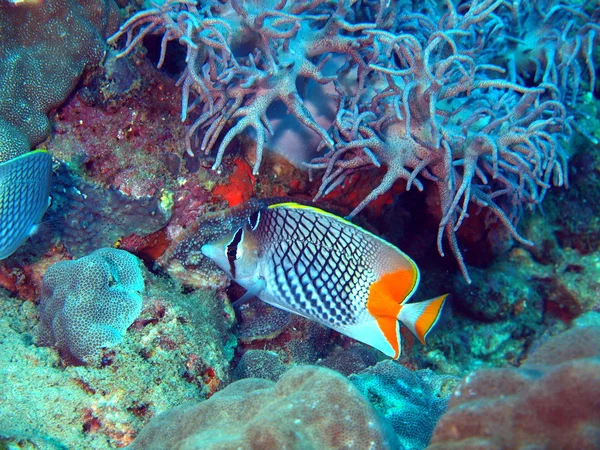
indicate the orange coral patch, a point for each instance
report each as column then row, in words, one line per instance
column 150, row 247
column 240, row 187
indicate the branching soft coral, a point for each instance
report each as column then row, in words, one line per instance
column 227, row 85
column 441, row 116
column 553, row 42
column 445, row 94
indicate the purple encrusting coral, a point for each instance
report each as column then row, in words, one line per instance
column 89, row 303
column 39, row 67
column 448, row 96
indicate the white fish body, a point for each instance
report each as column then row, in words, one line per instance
column 317, row 265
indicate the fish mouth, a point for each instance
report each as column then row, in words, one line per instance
column 208, row 250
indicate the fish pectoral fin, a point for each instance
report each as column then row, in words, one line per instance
column 422, row 317
column 254, row 290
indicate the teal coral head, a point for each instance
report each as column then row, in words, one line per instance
column 88, row 303
column 24, row 197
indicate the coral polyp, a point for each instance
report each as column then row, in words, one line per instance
column 448, row 116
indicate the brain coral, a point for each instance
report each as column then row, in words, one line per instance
column 309, row 408
column 12, row 142
column 552, row 401
column 88, row 303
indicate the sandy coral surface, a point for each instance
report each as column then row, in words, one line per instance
column 176, row 352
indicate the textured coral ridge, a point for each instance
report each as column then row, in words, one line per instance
column 44, row 48
column 89, row 303
column 552, row 401
column 308, row 408
column 469, row 97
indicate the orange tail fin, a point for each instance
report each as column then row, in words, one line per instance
column 421, row 317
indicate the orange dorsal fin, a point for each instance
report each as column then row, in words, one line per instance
column 421, row 317
column 390, row 290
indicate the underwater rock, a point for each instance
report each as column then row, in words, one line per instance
column 259, row 364
column 260, row 321
column 351, row 360
column 118, row 142
column 177, row 351
column 550, row 402
column 309, row 407
column 306, row 341
column 120, row 74
column 576, row 211
column 412, row 401
column 89, row 303
column 302, row 341
column 497, row 293
column 93, row 217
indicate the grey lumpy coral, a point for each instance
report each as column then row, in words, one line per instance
column 88, row 303
column 308, row 408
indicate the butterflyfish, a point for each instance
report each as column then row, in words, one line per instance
column 315, row 264
column 24, row 197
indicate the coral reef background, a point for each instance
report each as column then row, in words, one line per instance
column 435, row 125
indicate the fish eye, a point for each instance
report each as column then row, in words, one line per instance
column 233, row 250
column 253, row 220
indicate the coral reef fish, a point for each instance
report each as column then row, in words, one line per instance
column 325, row 268
column 24, row 197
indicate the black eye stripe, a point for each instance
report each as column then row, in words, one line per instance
column 253, row 220
column 231, row 249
